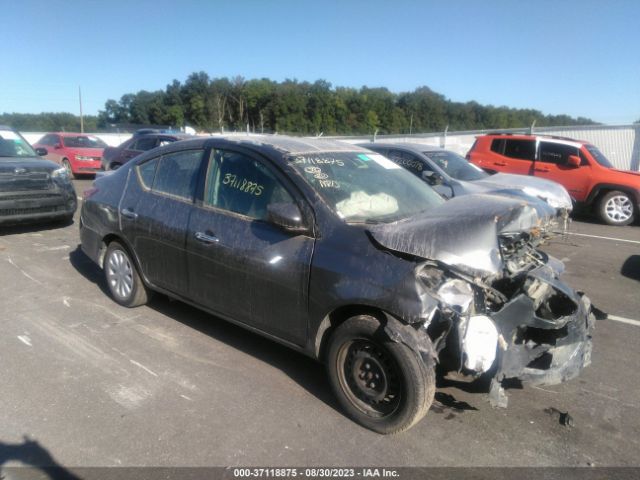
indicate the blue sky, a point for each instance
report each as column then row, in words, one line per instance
column 579, row 57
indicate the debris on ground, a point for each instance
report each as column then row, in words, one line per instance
column 564, row 418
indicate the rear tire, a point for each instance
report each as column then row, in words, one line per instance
column 124, row 282
column 616, row 208
column 382, row 385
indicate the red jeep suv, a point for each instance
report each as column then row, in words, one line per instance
column 583, row 170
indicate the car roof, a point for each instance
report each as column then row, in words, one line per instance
column 71, row 134
column 281, row 143
column 181, row 136
column 294, row 145
column 528, row 136
column 414, row 147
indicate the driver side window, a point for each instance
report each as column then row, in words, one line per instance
column 243, row 185
column 556, row 152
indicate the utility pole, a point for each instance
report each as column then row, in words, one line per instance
column 81, row 119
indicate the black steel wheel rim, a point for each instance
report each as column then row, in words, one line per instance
column 370, row 377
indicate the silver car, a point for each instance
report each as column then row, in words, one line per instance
column 451, row 175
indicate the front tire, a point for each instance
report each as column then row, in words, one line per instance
column 382, row 385
column 67, row 165
column 616, row 208
column 123, row 280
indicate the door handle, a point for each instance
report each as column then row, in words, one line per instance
column 500, row 164
column 128, row 213
column 205, row 238
column 541, row 169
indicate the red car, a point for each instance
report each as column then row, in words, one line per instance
column 79, row 153
column 590, row 178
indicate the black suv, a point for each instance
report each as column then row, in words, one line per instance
column 32, row 188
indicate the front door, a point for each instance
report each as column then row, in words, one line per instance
column 552, row 164
column 240, row 265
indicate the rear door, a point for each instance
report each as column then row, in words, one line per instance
column 240, row 265
column 154, row 215
column 511, row 155
column 552, row 164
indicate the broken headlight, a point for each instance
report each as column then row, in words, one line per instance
column 456, row 293
column 479, row 343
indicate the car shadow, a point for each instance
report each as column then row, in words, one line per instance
column 34, row 227
column 631, row 268
column 588, row 216
column 88, row 269
column 32, row 455
column 306, row 372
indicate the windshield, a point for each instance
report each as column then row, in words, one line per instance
column 456, row 166
column 12, row 144
column 84, row 142
column 599, row 156
column 367, row 187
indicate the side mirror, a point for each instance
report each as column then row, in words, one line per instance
column 287, row 216
column 573, row 161
column 41, row 151
column 57, row 146
column 432, row 178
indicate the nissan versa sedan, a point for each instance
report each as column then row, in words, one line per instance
column 452, row 175
column 31, row 189
column 339, row 253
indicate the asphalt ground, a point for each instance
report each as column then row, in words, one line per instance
column 86, row 382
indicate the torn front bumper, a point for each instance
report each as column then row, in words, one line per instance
column 545, row 332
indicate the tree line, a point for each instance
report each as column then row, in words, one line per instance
column 296, row 107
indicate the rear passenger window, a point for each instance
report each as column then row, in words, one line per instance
column 144, row 144
column 497, row 145
column 520, row 149
column 556, row 152
column 240, row 184
column 177, row 174
column 147, row 172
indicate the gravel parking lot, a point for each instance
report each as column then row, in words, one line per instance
column 96, row 384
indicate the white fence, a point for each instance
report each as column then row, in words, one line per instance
column 620, row 143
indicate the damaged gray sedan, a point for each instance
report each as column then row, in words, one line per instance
column 339, row 253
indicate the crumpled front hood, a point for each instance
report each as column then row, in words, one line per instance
column 463, row 232
column 551, row 192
